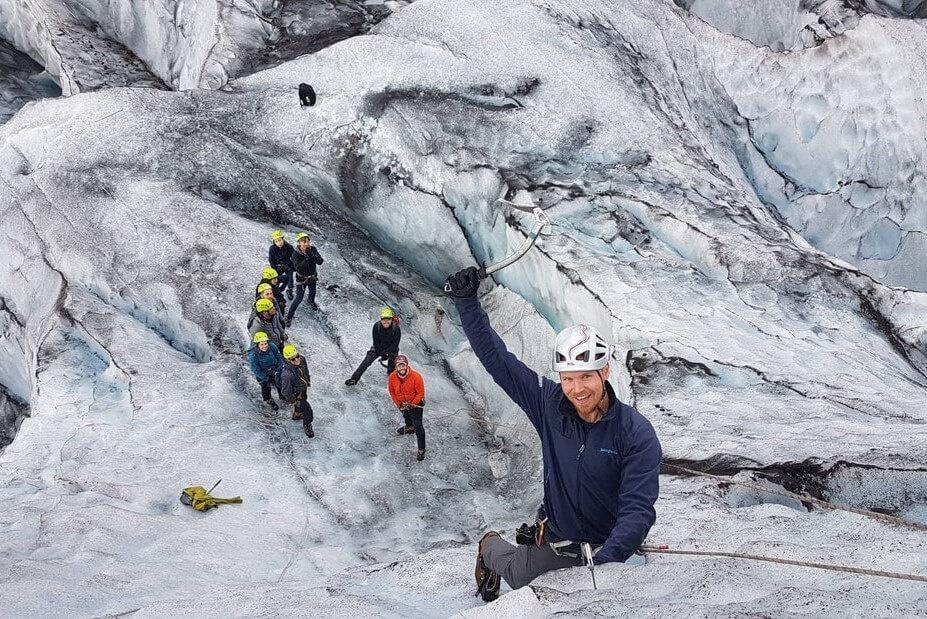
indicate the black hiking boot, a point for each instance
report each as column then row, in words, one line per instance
column 421, row 455
column 487, row 581
column 272, row 404
column 351, row 382
column 308, row 431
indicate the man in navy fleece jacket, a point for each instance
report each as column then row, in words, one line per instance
column 601, row 457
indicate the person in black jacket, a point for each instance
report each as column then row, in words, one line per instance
column 294, row 386
column 305, row 259
column 386, row 336
column 280, row 258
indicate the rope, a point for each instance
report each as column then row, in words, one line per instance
column 821, row 566
column 474, row 419
column 792, row 495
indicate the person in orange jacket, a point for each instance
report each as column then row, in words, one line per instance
column 407, row 389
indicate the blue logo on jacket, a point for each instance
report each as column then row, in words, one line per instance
column 608, row 451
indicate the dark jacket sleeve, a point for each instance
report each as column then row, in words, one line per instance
column 288, row 391
column 279, row 327
column 256, row 368
column 316, row 256
column 397, row 336
column 278, row 358
column 640, row 486
column 521, row 383
column 296, row 260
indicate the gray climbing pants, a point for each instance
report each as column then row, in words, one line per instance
column 519, row 565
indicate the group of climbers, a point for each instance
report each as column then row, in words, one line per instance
column 405, row 386
column 296, row 267
column 274, row 360
column 601, row 457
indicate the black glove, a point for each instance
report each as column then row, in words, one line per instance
column 464, row 283
column 525, row 535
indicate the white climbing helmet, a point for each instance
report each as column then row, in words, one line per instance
column 579, row 348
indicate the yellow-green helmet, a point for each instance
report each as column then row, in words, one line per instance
column 277, row 234
column 259, row 337
column 269, row 273
column 262, row 287
column 262, row 305
column 289, row 351
column 300, row 236
column 386, row 312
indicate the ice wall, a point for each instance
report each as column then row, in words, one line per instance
column 21, row 80
column 182, row 44
column 748, row 347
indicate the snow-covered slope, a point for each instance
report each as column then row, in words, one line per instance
column 130, row 250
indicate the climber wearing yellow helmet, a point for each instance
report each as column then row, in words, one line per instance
column 294, row 386
column 279, row 256
column 268, row 320
column 271, row 277
column 386, row 336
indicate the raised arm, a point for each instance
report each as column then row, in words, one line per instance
column 522, row 384
column 640, row 485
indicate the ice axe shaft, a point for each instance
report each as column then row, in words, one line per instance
column 587, row 557
column 540, row 220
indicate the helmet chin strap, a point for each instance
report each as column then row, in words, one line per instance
column 598, row 404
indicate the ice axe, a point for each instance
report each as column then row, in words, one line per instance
column 587, row 558
column 540, row 220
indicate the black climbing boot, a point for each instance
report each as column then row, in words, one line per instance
column 487, row 581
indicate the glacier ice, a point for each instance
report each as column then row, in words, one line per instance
column 720, row 218
column 181, row 44
column 21, row 81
